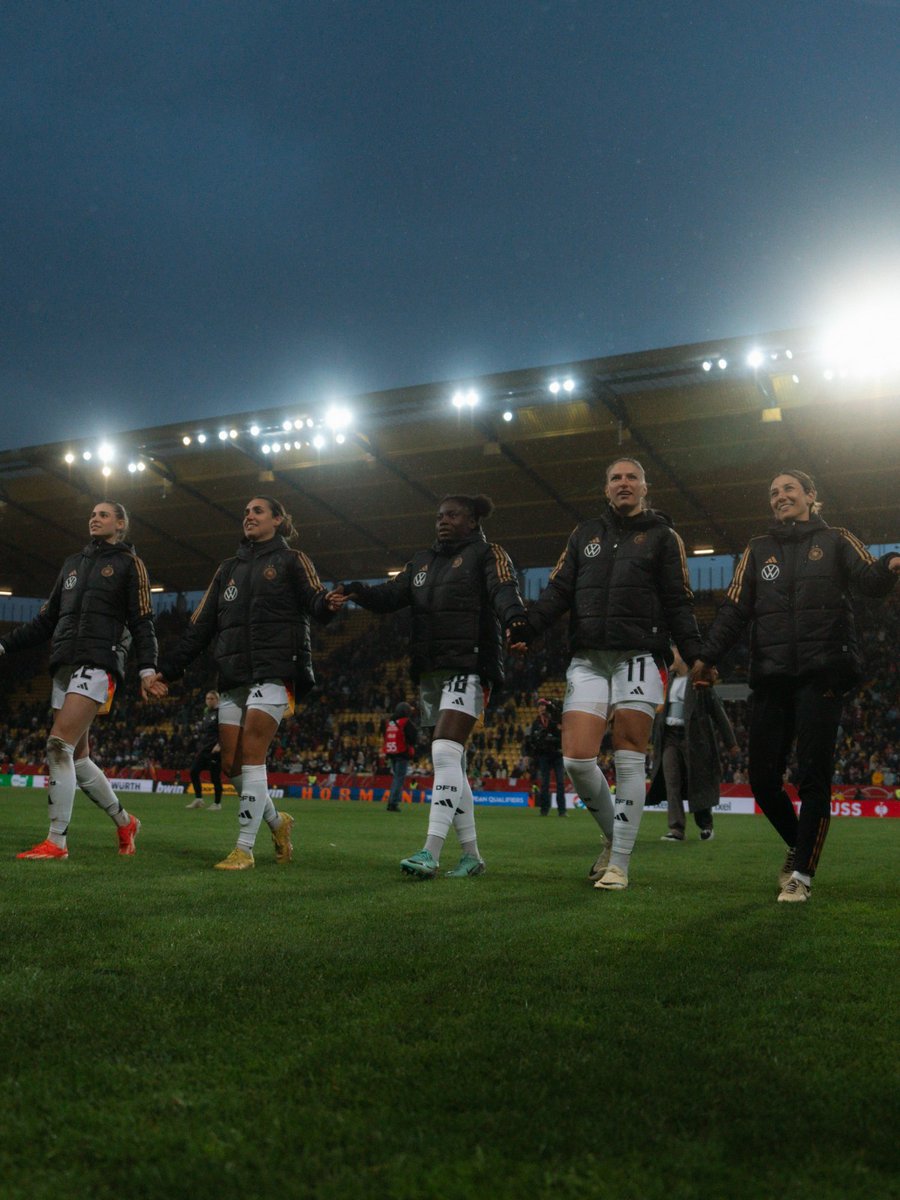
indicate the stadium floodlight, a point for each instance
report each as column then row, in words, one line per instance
column 157, row 587
column 232, row 433
column 340, row 438
column 707, row 365
column 106, row 471
column 507, row 416
column 309, row 422
column 569, row 385
column 864, row 340
column 553, row 387
column 186, row 440
column 788, row 354
column 254, row 431
column 6, row 591
column 142, row 466
column 704, row 550
column 458, row 400
column 298, row 445
column 266, row 448
column 223, row 435
column 87, row 456
column 318, row 441
column 276, row 447
column 132, row 467
column 722, row 364
column 338, row 417
column 755, row 358
column 105, row 452
column 201, row 438
column 287, row 425
column 70, row 458
column 796, row 378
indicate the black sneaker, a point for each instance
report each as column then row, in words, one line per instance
column 706, row 835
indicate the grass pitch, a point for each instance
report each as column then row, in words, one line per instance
column 333, row 1028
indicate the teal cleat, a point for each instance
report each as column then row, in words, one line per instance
column 421, row 864
column 467, row 867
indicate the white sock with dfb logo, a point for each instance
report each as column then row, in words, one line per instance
column 446, row 792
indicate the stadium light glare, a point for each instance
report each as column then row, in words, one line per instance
column 698, row 550
column 276, row 447
column 186, row 440
column 553, row 387
column 5, row 591
column 105, row 452
column 157, row 587
column 458, row 400
column 223, row 435
column 340, row 438
column 788, row 354
column 106, row 471
column 201, row 438
column 266, row 448
column 796, row 378
column 318, row 441
column 722, row 364
column 132, row 467
column 755, row 359
column 298, row 445
column 254, row 431
column 87, row 456
column 338, row 417
column 507, row 416
column 864, row 340
column 309, row 422
column 707, row 365
column 232, row 433
column 568, row 385
column 142, row 466
column 70, row 458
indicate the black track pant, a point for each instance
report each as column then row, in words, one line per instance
column 809, row 710
column 210, row 761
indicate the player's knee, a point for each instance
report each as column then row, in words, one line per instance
column 58, row 750
column 446, row 754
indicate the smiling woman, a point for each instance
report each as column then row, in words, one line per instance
column 793, row 587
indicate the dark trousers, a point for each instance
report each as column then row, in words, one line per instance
column 399, row 767
column 674, row 768
column 211, row 761
column 809, row 710
column 547, row 764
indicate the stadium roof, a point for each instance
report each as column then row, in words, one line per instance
column 710, row 437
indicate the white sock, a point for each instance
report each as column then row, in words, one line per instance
column 593, row 790
column 97, row 787
column 464, row 818
column 254, row 794
column 446, row 793
column 61, row 799
column 631, row 793
column 807, row 879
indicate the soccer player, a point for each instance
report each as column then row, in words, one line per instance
column 99, row 604
column 208, row 756
column 256, row 611
column 463, row 594
column 623, row 580
column 793, row 588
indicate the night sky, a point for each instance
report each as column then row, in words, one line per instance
column 212, row 206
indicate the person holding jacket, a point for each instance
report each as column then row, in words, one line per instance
column 792, row 587
column 255, row 614
column 623, row 579
column 100, row 603
column 399, row 748
column 686, row 764
column 463, row 594
column 543, row 746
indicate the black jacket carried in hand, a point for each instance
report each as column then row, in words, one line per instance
column 624, row 583
column 463, row 596
column 99, row 603
column 256, row 614
column 704, row 715
column 793, row 584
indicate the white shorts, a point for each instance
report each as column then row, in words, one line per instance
column 92, row 682
column 600, row 681
column 458, row 693
column 272, row 696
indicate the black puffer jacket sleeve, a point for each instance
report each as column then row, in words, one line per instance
column 40, row 628
column 387, row 597
column 140, row 616
column 557, row 597
column 198, row 635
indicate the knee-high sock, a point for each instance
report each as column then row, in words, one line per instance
column 464, row 817
column 97, row 787
column 590, row 784
column 61, row 798
column 254, row 794
column 446, row 794
column 631, row 792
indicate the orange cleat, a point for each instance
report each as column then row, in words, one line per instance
column 127, row 834
column 45, row 849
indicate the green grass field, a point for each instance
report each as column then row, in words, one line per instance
column 333, row 1028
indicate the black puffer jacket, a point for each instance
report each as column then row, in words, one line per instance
column 793, row 584
column 99, row 603
column 463, row 596
column 624, row 581
column 256, row 614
